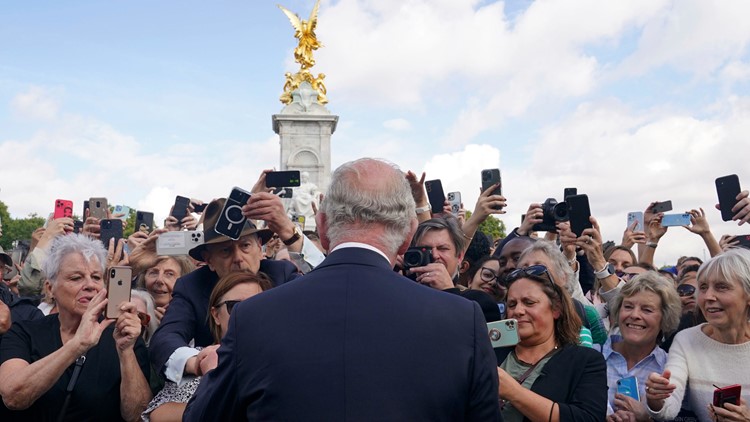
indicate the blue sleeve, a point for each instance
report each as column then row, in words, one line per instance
column 483, row 397
column 176, row 328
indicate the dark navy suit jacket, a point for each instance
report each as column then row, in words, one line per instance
column 187, row 315
column 352, row 340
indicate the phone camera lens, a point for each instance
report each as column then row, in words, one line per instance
column 112, row 273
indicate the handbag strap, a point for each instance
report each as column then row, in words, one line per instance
column 528, row 372
column 73, row 379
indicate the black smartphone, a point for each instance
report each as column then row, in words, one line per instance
column 85, row 208
column 489, row 178
column 283, row 192
column 231, row 221
column 199, row 207
column 728, row 187
column 77, row 226
column 435, row 195
column 180, row 208
column 282, row 179
column 144, row 221
column 743, row 240
column 662, row 207
column 569, row 192
column 579, row 212
column 110, row 229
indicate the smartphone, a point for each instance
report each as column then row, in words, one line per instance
column 489, row 178
column 729, row 394
column 98, row 208
column 178, row 243
column 144, row 221
column 85, row 208
column 670, row 220
column 63, row 208
column 569, row 192
column 282, row 179
column 629, row 386
column 728, row 187
column 119, row 280
column 662, row 207
column 110, row 228
column 455, row 199
column 198, row 207
column 299, row 220
column 180, row 207
column 635, row 217
column 77, row 226
column 435, row 195
column 743, row 240
column 579, row 212
column 121, row 212
column 503, row 333
column 231, row 221
column 283, row 192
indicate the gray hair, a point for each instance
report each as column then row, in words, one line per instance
column 62, row 246
column 733, row 264
column 652, row 281
column 449, row 223
column 560, row 264
column 367, row 193
column 153, row 323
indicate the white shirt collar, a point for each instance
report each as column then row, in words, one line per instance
column 363, row 246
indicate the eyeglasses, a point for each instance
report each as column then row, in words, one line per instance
column 488, row 275
column 625, row 275
column 534, row 272
column 685, row 290
column 230, row 305
column 145, row 318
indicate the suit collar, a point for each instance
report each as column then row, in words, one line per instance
column 355, row 255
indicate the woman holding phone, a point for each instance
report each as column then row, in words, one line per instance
column 714, row 354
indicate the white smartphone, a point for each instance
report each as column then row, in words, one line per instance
column 455, row 199
column 636, row 217
column 178, row 243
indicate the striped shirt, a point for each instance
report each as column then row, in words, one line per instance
column 617, row 367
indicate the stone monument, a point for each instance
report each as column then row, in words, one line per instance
column 305, row 125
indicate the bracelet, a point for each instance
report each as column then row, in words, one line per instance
column 467, row 237
column 422, row 210
column 603, row 269
column 551, row 409
column 652, row 244
column 572, row 262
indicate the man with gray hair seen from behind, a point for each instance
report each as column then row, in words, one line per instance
column 353, row 340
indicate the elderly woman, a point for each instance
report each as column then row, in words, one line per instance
column 711, row 354
column 547, row 376
column 169, row 404
column 646, row 309
column 159, row 280
column 104, row 362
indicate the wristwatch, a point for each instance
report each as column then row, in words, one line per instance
column 295, row 237
column 422, row 210
column 605, row 272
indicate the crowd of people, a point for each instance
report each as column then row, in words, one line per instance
column 335, row 324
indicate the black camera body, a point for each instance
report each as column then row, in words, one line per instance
column 552, row 212
column 417, row 256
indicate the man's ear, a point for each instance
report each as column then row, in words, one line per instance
column 322, row 226
column 463, row 267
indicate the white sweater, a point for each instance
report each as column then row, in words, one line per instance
column 698, row 362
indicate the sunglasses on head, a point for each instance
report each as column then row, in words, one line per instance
column 534, row 272
column 685, row 290
column 230, row 305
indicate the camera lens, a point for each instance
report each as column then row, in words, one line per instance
column 234, row 214
column 112, row 273
column 412, row 258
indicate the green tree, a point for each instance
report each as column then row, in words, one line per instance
column 492, row 226
column 17, row 228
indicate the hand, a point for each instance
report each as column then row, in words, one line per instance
column 654, row 230
column 727, row 241
column 269, row 208
column 658, row 389
column 622, row 416
column 461, row 215
column 201, row 356
column 13, row 282
column 91, row 226
column 58, row 227
column 5, row 319
column 434, row 275
column 632, row 406
column 741, row 209
column 630, row 237
column 649, row 214
column 127, row 327
column 36, row 236
column 136, row 239
column 507, row 385
column 488, row 204
column 534, row 215
column 171, row 223
column 116, row 254
column 189, row 222
column 193, row 203
column 260, row 184
column 90, row 329
column 591, row 243
column 159, row 311
column 568, row 239
column 143, row 255
column 731, row 412
column 417, row 188
column 272, row 247
column 699, row 223
column 210, row 359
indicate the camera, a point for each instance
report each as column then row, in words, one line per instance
column 231, row 221
column 552, row 212
column 417, row 256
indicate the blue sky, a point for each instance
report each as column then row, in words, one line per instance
column 631, row 101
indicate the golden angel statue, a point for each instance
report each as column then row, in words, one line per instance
column 305, row 32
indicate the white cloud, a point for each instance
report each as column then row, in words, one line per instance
column 36, row 103
column 398, row 125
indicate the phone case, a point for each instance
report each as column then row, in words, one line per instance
column 231, row 221
column 63, row 208
column 455, row 199
column 178, row 243
column 569, row 192
column 580, row 213
column 670, row 220
column 662, row 207
column 144, row 221
column 180, row 208
column 122, row 212
column 728, row 394
column 283, row 179
column 635, row 216
column 629, row 387
column 98, row 208
column 489, row 178
column 727, row 187
column 503, row 333
column 743, row 240
column 119, row 280
column 110, row 229
column 435, row 195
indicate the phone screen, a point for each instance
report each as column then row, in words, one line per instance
column 283, row 179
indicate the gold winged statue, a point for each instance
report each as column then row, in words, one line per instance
column 303, row 54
